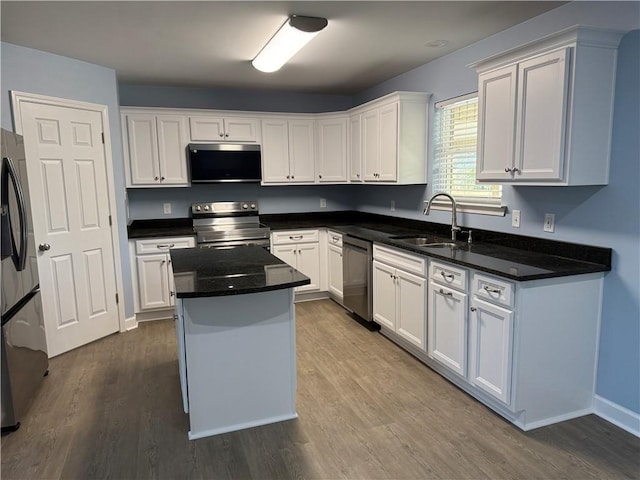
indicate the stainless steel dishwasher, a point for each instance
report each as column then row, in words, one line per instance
column 357, row 279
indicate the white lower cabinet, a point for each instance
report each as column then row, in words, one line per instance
column 334, row 264
column 400, row 296
column 301, row 250
column 153, row 272
column 490, row 348
column 447, row 325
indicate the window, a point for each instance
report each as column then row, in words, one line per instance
column 454, row 166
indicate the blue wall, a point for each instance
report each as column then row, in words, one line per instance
column 32, row 71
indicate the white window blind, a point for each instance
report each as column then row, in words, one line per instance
column 455, row 139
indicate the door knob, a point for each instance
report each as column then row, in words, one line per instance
column 43, row 247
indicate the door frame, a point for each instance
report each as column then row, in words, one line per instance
column 20, row 98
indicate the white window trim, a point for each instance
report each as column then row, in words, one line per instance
column 465, row 206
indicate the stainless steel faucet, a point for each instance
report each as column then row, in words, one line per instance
column 454, row 219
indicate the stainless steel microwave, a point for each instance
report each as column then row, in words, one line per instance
column 218, row 162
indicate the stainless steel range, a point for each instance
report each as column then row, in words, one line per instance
column 228, row 224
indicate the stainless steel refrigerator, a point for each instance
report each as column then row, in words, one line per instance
column 24, row 348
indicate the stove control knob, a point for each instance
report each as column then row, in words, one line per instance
column 253, row 206
column 206, row 208
column 245, row 206
column 198, row 208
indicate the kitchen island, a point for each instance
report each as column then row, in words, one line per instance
column 235, row 325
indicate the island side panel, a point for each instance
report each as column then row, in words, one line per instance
column 240, row 361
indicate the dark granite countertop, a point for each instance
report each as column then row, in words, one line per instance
column 170, row 227
column 210, row 272
column 511, row 256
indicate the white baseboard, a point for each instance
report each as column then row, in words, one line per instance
column 618, row 415
column 130, row 323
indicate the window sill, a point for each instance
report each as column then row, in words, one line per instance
column 468, row 207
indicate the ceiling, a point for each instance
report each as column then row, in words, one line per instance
column 211, row 44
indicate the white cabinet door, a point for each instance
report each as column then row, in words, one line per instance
column 490, row 348
column 206, row 129
column 334, row 254
column 172, row 147
column 275, row 151
column 411, row 320
column 355, row 149
column 542, row 110
column 447, row 337
column 496, row 123
column 153, row 281
column 286, row 253
column 308, row 262
column 143, row 149
column 384, row 295
column 332, row 150
column 301, row 151
column 388, row 143
column 370, row 144
column 241, row 129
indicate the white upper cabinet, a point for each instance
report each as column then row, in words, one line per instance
column 227, row 129
column 331, row 141
column 546, row 108
column 393, row 139
column 155, row 149
column 288, row 150
column 355, row 148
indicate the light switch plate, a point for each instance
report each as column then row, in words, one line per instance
column 323, row 203
column 167, row 208
column 393, row 205
column 549, row 222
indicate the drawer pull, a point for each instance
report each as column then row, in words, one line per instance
column 335, row 239
column 447, row 275
column 446, row 294
column 165, row 245
column 295, row 237
column 492, row 290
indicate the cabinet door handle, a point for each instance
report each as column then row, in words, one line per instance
column 163, row 262
column 165, row 245
column 515, row 170
column 156, row 178
column 492, row 290
column 446, row 275
column 473, row 309
column 171, row 294
column 292, row 177
column 226, row 135
column 161, row 179
column 446, row 294
column 319, row 176
column 507, row 170
column 357, row 175
column 221, row 134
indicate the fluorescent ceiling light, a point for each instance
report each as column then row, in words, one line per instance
column 292, row 36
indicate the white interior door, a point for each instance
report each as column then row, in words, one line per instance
column 66, row 165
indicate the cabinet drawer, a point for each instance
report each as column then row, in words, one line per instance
column 157, row 245
column 334, row 238
column 446, row 274
column 405, row 261
column 295, row 236
column 493, row 289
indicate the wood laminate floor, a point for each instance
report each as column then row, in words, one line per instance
column 367, row 410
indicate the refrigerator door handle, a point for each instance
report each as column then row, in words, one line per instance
column 21, row 259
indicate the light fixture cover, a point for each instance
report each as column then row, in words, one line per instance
column 292, row 36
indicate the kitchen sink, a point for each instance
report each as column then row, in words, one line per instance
column 430, row 241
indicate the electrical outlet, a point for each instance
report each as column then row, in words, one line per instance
column 393, row 205
column 549, row 222
column 167, row 208
column 515, row 219
column 323, row 203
